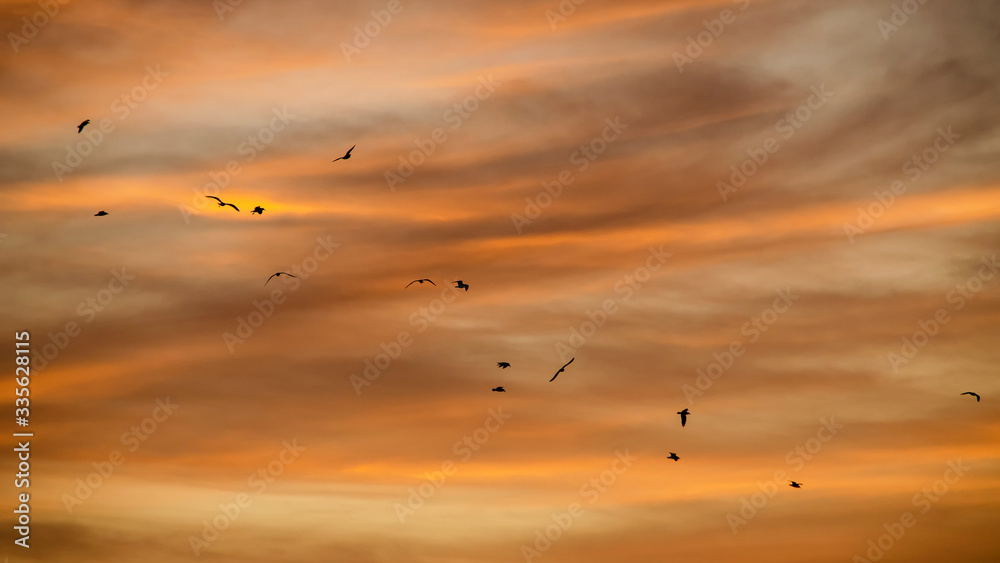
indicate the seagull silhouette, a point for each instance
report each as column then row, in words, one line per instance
column 258, row 210
column 421, row 282
column 973, row 394
column 673, row 456
column 460, row 285
column 796, row 485
column 79, row 128
column 100, row 214
column 222, row 203
column 503, row 365
column 346, row 156
column 499, row 389
column 278, row 275
column 684, row 416
column 560, row 370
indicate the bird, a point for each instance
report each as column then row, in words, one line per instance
column 500, row 389
column 796, row 485
column 222, row 203
column 421, row 282
column 100, row 214
column 503, row 365
column 973, row 394
column 673, row 456
column 79, row 128
column 560, row 370
column 460, row 285
column 684, row 416
column 279, row 274
column 346, row 156
column 258, row 210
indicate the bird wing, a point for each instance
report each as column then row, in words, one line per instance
column 269, row 279
column 233, row 206
column 349, row 150
column 567, row 363
column 430, row 282
column 411, row 283
column 336, row 159
column 215, row 198
column 287, row 274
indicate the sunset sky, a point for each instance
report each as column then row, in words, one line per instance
column 782, row 215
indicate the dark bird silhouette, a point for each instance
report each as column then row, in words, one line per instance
column 258, row 210
column 222, row 203
column 100, row 214
column 560, row 370
column 421, row 282
column 499, row 389
column 796, row 485
column 278, row 275
column 460, row 285
column 673, row 456
column 503, row 365
column 973, row 394
column 684, row 416
column 79, row 128
column 346, row 156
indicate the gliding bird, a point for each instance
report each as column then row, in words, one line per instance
column 222, row 203
column 560, row 371
column 279, row 274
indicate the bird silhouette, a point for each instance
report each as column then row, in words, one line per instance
column 346, row 156
column 278, row 275
column 222, row 203
column 258, row 210
column 503, row 365
column 673, row 456
column 500, row 389
column 973, row 394
column 79, row 128
column 796, row 485
column 421, row 282
column 684, row 416
column 560, row 370
column 100, row 214
column 460, row 285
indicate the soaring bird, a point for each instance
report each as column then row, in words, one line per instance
column 79, row 128
column 503, row 365
column 684, row 416
column 346, row 156
column 500, row 389
column 460, row 285
column 100, row 214
column 222, row 203
column 421, row 282
column 796, row 485
column 973, row 394
column 673, row 456
column 258, row 210
column 278, row 275
column 560, row 370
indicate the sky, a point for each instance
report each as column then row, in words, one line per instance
column 781, row 215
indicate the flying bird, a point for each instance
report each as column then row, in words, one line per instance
column 346, row 156
column 500, row 389
column 673, row 456
column 100, row 214
column 503, row 365
column 684, row 416
column 796, row 485
column 460, row 285
column 421, row 282
column 278, row 275
column 973, row 394
column 258, row 210
column 560, row 370
column 222, row 203
column 79, row 128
